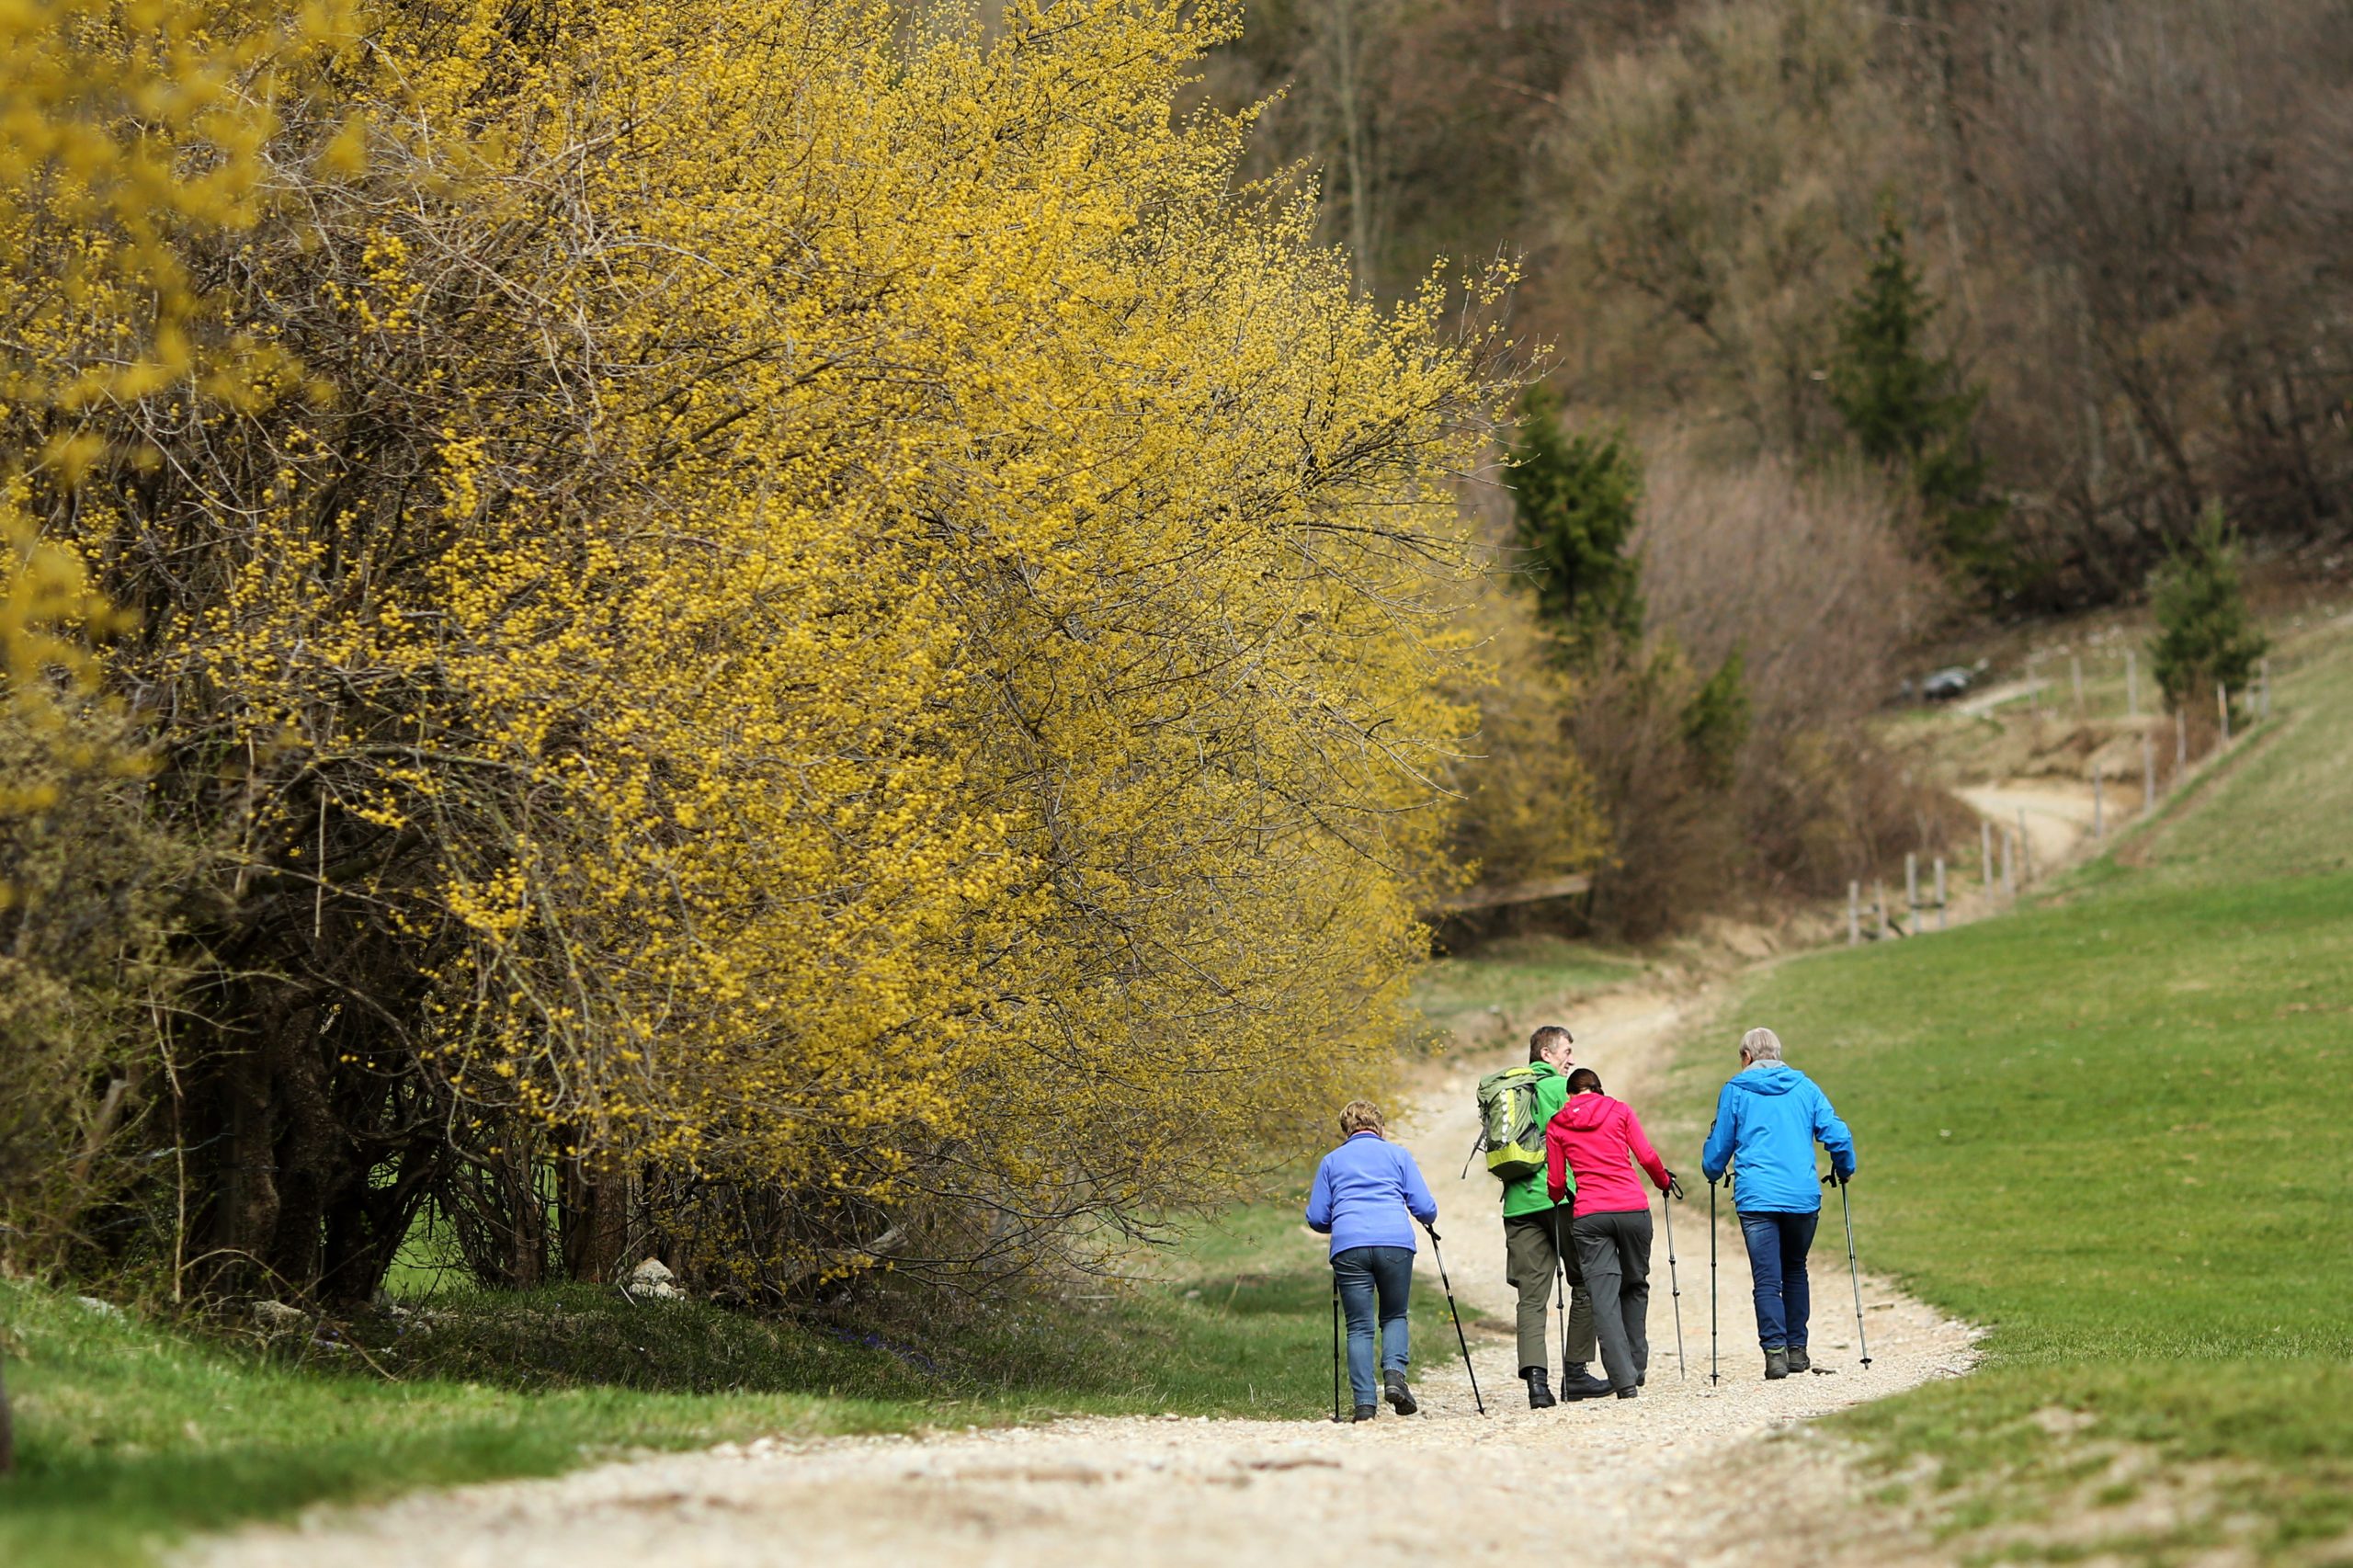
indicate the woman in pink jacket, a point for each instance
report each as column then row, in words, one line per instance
column 1601, row 1139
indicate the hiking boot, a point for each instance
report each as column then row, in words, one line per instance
column 1582, row 1386
column 1539, row 1391
column 1777, row 1364
column 1798, row 1362
column 1365, row 1413
column 1629, row 1393
column 1400, row 1398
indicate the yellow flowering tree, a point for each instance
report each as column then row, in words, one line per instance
column 808, row 634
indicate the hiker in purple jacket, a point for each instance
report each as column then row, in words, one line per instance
column 1367, row 1193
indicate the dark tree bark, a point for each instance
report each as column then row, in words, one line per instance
column 370, row 1218
column 313, row 1155
column 313, row 1125
column 593, row 1217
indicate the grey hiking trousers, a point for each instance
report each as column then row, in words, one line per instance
column 1614, row 1250
column 1529, row 1263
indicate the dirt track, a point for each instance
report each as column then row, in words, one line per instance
column 1672, row 1477
column 2057, row 813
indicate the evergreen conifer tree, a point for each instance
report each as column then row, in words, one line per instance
column 2205, row 636
column 1907, row 407
column 1574, row 499
column 1715, row 722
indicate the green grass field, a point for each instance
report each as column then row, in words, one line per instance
column 133, row 1434
column 1482, row 1000
column 2113, row 1128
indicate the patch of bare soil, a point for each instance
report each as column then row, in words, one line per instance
column 1689, row 1471
column 2056, row 814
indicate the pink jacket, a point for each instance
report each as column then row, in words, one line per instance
column 1593, row 1135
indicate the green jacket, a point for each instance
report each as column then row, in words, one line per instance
column 1527, row 1195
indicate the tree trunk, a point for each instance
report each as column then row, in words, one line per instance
column 526, row 1266
column 244, row 1218
column 593, row 1213
column 314, row 1152
column 368, row 1223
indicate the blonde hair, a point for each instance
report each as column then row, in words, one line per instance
column 1360, row 1116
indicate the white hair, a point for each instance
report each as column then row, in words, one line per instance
column 1762, row 1045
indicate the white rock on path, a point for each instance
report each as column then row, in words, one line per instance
column 276, row 1317
column 653, row 1277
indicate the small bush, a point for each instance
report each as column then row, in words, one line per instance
column 2205, row 636
column 87, row 892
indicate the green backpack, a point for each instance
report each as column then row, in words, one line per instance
column 1509, row 1129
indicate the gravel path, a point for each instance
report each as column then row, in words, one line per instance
column 1670, row 1478
column 2057, row 813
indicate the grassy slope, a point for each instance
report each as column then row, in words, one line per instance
column 2112, row 1127
column 131, row 1434
column 1515, row 972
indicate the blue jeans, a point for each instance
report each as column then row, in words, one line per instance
column 1363, row 1274
column 1777, row 1249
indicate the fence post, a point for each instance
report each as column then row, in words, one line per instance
column 1941, row 893
column 1985, row 850
column 2132, row 684
column 2026, row 850
column 2222, row 706
column 2010, row 864
column 1911, row 890
column 1854, row 913
column 2148, row 774
column 1879, row 900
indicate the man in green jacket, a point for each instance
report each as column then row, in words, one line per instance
column 1536, row 1235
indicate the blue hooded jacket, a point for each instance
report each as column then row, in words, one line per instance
column 1768, row 1118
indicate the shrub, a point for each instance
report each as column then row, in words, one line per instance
column 779, row 609
column 1574, row 500
column 88, row 892
column 1908, row 408
column 1529, row 811
column 2205, row 636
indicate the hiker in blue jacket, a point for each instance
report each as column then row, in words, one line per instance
column 1769, row 1118
column 1367, row 1193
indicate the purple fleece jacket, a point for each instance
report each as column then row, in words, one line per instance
column 1367, row 1193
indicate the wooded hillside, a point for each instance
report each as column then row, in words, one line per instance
column 2131, row 215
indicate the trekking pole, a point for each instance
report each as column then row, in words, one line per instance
column 1561, row 1287
column 1674, row 1286
column 1855, row 1273
column 1711, row 1284
column 1449, row 1285
column 1335, row 1345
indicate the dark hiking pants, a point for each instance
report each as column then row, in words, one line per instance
column 1530, row 1260
column 1614, row 1250
column 1777, row 1247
